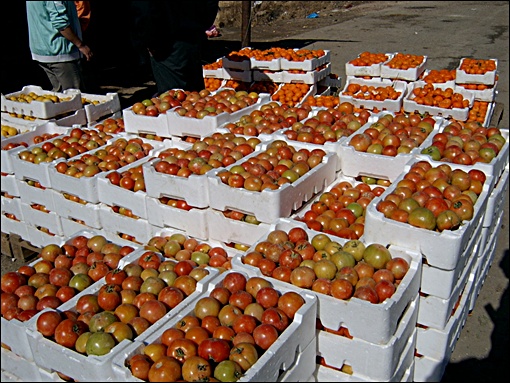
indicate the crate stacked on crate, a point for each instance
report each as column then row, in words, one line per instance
column 349, row 328
column 449, row 257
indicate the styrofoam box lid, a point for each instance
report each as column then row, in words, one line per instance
column 489, row 78
column 411, row 74
column 452, row 243
column 309, row 77
column 389, row 105
column 108, row 104
column 28, row 138
column 269, row 205
column 42, row 109
column 354, row 163
column 373, row 70
column 279, row 356
column 375, row 323
column 81, row 367
column 384, row 359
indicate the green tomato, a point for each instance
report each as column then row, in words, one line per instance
column 228, row 371
column 100, row 343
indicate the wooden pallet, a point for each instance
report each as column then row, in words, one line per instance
column 16, row 247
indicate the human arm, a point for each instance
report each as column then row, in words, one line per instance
column 68, row 33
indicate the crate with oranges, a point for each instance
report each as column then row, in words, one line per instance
column 404, row 66
column 477, row 71
column 367, row 64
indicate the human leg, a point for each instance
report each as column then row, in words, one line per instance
column 51, row 76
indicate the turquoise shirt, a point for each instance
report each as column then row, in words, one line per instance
column 45, row 21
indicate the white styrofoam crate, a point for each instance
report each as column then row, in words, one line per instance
column 105, row 106
column 28, row 138
column 428, row 369
column 496, row 199
column 388, row 105
column 244, row 64
column 34, row 195
column 483, row 263
column 67, row 209
column 20, row 369
column 269, row 205
column 373, row 70
column 356, row 314
column 11, row 226
column 411, row 74
column 49, row 354
column 194, row 189
column 435, row 312
column 236, row 74
column 40, row 238
column 115, row 195
column 281, row 355
column 77, row 118
column 401, row 373
column 115, row 223
column 384, row 359
column 272, row 65
column 14, row 335
column 135, row 123
column 441, row 283
column 29, row 170
column 10, row 184
column 72, row 226
column 303, row 366
column 441, row 85
column 439, row 343
column 489, row 78
column 50, row 220
column 229, row 230
column 267, row 75
column 18, row 120
column 213, row 73
column 354, row 163
column 12, row 206
column 308, row 77
column 492, row 170
column 452, row 243
column 188, row 126
column 86, row 188
column 487, row 95
column 306, row 65
column 40, row 109
column 194, row 222
column 460, row 114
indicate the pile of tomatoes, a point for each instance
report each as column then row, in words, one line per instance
column 223, row 336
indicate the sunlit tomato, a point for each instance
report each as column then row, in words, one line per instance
column 214, row 349
column 265, row 335
column 68, row 331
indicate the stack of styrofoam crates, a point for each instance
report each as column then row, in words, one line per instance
column 449, row 258
column 383, row 336
column 11, row 195
column 290, row 358
column 488, row 80
column 66, row 112
column 99, row 107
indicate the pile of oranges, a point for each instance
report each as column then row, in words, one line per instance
column 370, row 92
column 441, row 98
column 212, row 84
column 322, row 101
column 439, row 76
column 215, row 65
column 276, row 53
column 478, row 112
column 368, row 58
column 405, row 61
column 474, row 66
column 291, row 93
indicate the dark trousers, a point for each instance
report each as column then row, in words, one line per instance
column 66, row 75
column 179, row 68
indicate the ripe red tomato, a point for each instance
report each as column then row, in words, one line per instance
column 265, row 335
column 47, row 322
column 68, row 331
column 214, row 349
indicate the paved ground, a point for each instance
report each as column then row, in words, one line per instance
column 445, row 31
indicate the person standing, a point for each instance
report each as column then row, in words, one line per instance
column 55, row 41
column 174, row 34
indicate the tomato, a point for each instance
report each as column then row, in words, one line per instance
column 222, row 294
column 341, row 288
column 80, row 281
column 149, row 259
column 228, row 314
column 197, row 334
column 139, row 324
column 120, row 331
column 99, row 343
column 241, row 299
column 101, row 320
column 303, row 276
column 265, row 335
column 68, row 331
column 186, row 284
column 12, row 280
column 207, row 306
column 384, row 289
column 245, row 354
column 366, row 293
column 109, row 298
column 47, row 322
column 422, row 217
column 276, row 317
column 88, row 302
column 126, row 311
column 448, row 220
column 376, row 255
column 196, row 368
column 153, row 310
column 139, row 365
column 398, row 266
column 234, row 281
column 214, row 349
column 267, row 297
column 166, row 369
column 463, row 209
column 290, row 302
column 182, row 349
